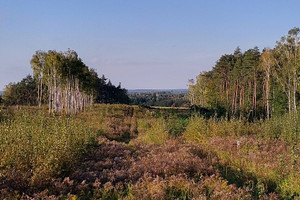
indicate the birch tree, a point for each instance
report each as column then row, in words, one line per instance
column 70, row 83
column 287, row 69
column 267, row 63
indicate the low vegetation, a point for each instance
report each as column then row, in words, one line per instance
column 262, row 155
column 130, row 152
column 35, row 148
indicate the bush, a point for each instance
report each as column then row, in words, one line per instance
column 176, row 125
column 153, row 131
column 196, row 129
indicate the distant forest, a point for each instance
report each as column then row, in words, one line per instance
column 252, row 84
column 165, row 98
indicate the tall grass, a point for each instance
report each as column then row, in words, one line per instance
column 199, row 128
column 264, row 153
column 285, row 128
column 35, row 148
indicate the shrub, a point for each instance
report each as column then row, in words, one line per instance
column 154, row 131
column 176, row 125
column 196, row 129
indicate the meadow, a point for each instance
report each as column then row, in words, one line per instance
column 132, row 152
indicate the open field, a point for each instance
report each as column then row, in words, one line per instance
column 130, row 152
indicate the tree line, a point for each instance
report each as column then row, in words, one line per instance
column 159, row 98
column 21, row 93
column 64, row 82
column 252, row 84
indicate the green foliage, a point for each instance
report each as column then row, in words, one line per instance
column 229, row 87
column 108, row 93
column 21, row 93
column 196, row 129
column 155, row 131
column 252, row 85
column 176, row 124
column 285, row 128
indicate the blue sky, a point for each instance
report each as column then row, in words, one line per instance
column 142, row 44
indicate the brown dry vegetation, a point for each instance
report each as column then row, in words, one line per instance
column 115, row 170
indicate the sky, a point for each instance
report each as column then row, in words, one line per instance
column 149, row 44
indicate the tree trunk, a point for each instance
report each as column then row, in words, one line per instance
column 50, row 99
column 294, row 91
column 268, row 92
column 236, row 97
column 289, row 95
column 41, row 93
column 254, row 94
column 241, row 101
column 233, row 98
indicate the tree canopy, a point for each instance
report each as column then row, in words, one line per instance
column 252, row 84
column 21, row 93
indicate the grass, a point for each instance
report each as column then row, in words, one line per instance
column 130, row 152
column 263, row 155
column 34, row 148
